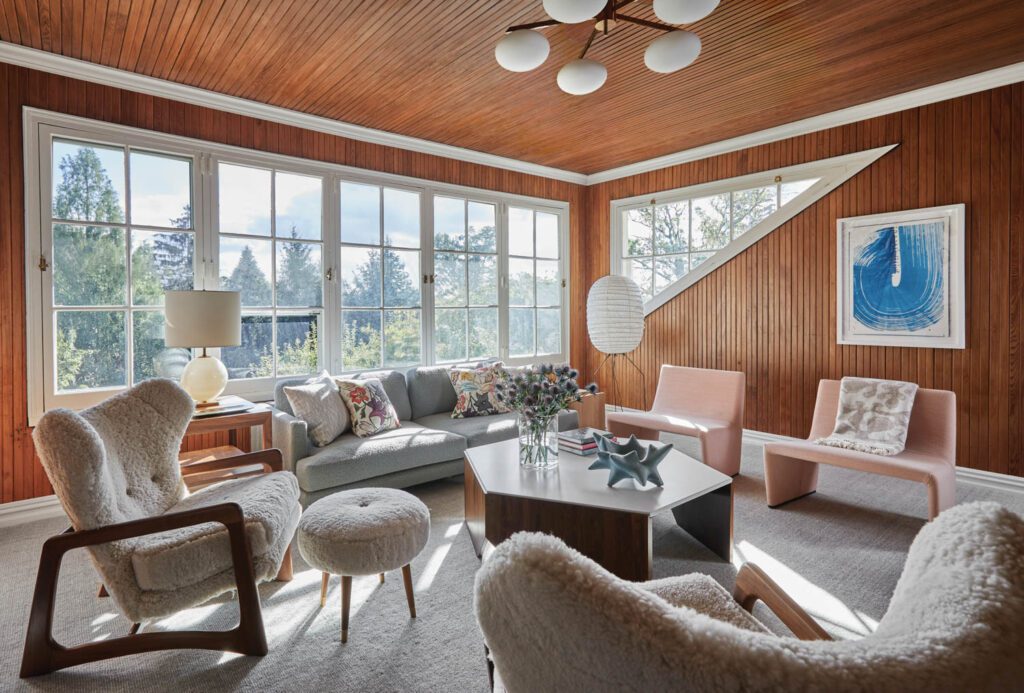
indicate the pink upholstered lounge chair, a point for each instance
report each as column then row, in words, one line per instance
column 791, row 468
column 696, row 402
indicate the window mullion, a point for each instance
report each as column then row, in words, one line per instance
column 502, row 242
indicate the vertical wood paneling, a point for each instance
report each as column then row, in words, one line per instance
column 21, row 476
column 770, row 312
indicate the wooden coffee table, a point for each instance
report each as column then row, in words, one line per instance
column 610, row 525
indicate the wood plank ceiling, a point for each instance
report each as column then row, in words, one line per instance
column 426, row 68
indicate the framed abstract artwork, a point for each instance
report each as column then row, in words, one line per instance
column 900, row 278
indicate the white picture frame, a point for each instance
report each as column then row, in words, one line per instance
column 900, row 279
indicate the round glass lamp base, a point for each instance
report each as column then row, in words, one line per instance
column 204, row 378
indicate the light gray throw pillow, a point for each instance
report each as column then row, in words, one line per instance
column 319, row 404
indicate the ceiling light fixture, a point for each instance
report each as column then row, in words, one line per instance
column 523, row 48
column 683, row 11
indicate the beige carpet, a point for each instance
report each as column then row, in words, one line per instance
column 839, row 552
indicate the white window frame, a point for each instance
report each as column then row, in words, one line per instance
column 39, row 127
column 256, row 387
column 830, row 173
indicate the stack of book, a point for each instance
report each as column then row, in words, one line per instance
column 579, row 441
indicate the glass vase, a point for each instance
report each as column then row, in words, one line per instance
column 538, row 442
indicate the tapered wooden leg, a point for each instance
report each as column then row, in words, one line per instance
column 135, row 628
column 284, row 574
column 323, row 589
column 382, row 578
column 346, row 600
column 407, row 576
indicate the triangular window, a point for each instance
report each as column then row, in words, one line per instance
column 669, row 241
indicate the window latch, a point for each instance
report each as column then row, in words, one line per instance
column 43, row 264
column 563, row 283
column 330, row 273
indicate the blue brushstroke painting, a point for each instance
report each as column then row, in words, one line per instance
column 899, row 278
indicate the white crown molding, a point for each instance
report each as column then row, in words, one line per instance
column 101, row 74
column 20, row 512
column 982, row 81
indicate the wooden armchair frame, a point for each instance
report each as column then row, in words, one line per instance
column 43, row 654
column 753, row 584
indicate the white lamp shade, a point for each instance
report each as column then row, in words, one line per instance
column 522, row 50
column 573, row 11
column 202, row 318
column 615, row 315
column 683, row 11
column 582, row 76
column 672, row 51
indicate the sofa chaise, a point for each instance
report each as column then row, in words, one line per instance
column 429, row 445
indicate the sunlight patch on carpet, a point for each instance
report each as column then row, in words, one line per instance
column 819, row 603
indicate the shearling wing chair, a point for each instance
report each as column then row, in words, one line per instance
column 158, row 548
column 556, row 621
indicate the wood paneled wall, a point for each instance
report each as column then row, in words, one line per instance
column 770, row 312
column 21, row 476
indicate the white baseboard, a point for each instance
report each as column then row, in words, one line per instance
column 978, row 477
column 20, row 512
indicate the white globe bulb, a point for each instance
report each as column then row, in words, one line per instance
column 683, row 11
column 522, row 50
column 672, row 51
column 573, row 11
column 582, row 76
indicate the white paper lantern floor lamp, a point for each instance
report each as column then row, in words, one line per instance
column 615, row 322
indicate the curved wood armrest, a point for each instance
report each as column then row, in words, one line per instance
column 752, row 584
column 43, row 654
column 270, row 460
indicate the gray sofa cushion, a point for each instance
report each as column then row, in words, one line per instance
column 430, row 391
column 350, row 459
column 394, row 385
column 481, row 430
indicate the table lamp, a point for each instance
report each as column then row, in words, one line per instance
column 203, row 319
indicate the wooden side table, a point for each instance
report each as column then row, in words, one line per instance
column 259, row 415
column 591, row 410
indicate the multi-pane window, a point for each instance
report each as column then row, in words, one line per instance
column 465, row 279
column 337, row 269
column 662, row 242
column 122, row 234
column 381, row 295
column 271, row 251
column 534, row 283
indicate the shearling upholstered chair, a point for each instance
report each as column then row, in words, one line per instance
column 556, row 621
column 158, row 548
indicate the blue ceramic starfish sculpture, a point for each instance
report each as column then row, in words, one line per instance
column 629, row 460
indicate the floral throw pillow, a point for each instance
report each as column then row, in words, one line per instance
column 368, row 405
column 475, row 392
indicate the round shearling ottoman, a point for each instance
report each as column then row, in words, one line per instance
column 363, row 532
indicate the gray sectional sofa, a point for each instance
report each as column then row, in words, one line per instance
column 428, row 446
